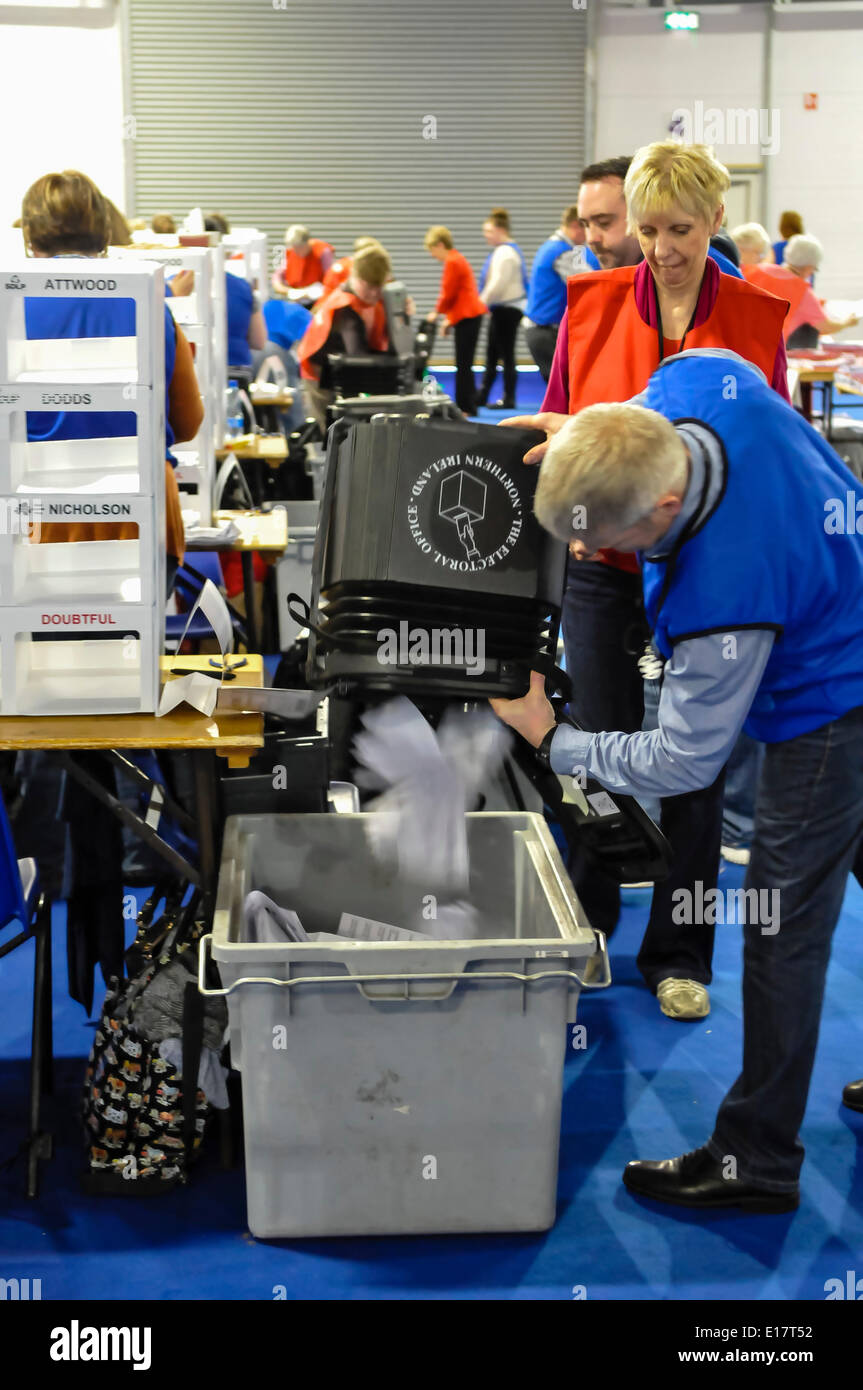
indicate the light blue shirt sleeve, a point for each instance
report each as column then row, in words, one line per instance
column 708, row 686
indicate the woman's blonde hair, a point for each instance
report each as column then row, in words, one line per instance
column 667, row 174
column 751, row 236
column 606, row 469
column 438, row 236
column 65, row 213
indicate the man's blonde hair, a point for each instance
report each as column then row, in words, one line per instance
column 667, row 174
column 606, row 469
column 372, row 265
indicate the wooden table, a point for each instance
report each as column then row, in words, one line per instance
column 264, row 451
column 282, row 400
column 231, row 734
column 265, row 532
column 816, row 374
column 268, row 448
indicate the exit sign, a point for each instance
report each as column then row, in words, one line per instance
column 681, row 19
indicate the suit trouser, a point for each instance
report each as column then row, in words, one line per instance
column 605, row 630
column 502, row 328
column 465, row 334
column 541, row 341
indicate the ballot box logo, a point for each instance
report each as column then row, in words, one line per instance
column 465, row 513
column 16, row 283
column 462, row 501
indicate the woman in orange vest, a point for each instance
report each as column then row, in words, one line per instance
column 307, row 261
column 619, row 325
column 459, row 301
column 351, row 320
column 806, row 319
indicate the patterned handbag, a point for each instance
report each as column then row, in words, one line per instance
column 143, row 1125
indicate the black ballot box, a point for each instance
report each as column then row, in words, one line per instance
column 431, row 573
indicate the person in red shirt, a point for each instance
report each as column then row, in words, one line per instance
column 463, row 309
column 307, row 261
column 621, row 322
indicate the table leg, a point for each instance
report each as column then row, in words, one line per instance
column 249, row 594
column 206, row 819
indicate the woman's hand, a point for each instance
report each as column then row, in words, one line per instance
column 183, row 283
column 532, row 715
column 547, row 420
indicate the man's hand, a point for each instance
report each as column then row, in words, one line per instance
column 547, row 420
column 445, row 330
column 531, row 716
column 579, row 551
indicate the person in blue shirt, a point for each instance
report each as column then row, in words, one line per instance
column 563, row 255
column 790, row 224
column 246, row 327
column 750, row 530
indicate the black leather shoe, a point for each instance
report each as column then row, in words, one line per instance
column 852, row 1096
column 695, row 1180
column 503, row 405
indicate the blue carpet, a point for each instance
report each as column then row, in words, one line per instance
column 645, row 1086
column 530, row 389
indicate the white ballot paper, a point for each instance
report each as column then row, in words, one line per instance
column 196, row 689
column 418, row 824
column 288, row 704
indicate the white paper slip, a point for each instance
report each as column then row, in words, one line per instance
column 217, row 536
column 367, row 929
column 288, row 704
column 603, row 804
column 196, row 689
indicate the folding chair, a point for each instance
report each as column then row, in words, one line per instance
column 22, row 904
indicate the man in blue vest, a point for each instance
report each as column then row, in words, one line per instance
column 563, row 255
column 750, row 530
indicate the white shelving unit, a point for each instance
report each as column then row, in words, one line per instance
column 69, row 594
column 247, row 256
column 202, row 316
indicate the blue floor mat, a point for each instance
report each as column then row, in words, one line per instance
column 645, row 1086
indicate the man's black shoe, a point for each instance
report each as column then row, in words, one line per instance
column 503, row 405
column 852, row 1096
column 695, row 1180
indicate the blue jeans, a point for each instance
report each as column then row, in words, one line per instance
column 808, row 837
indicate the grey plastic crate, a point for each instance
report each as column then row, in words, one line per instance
column 294, row 570
column 395, row 1088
